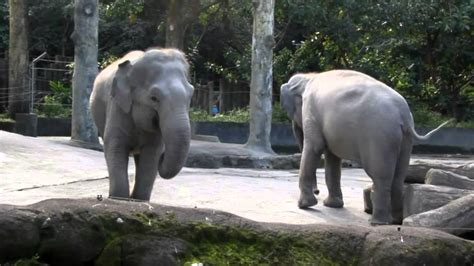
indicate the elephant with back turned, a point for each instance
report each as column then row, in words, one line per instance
column 140, row 105
column 349, row 115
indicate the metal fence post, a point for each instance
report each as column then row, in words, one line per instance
column 33, row 78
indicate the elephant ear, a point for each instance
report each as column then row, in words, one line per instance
column 121, row 89
column 291, row 95
column 287, row 101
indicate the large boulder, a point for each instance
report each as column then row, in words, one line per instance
column 420, row 198
column 456, row 217
column 418, row 169
column 140, row 233
column 449, row 179
column 19, row 233
column 446, row 178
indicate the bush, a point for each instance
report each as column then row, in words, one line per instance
column 58, row 103
column 279, row 115
column 239, row 115
column 426, row 118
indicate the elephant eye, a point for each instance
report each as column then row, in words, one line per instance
column 153, row 98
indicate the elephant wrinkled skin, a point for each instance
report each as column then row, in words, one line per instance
column 140, row 104
column 349, row 115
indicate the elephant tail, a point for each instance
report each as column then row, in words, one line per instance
column 428, row 135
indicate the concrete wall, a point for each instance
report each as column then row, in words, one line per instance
column 45, row 127
column 447, row 140
column 54, row 126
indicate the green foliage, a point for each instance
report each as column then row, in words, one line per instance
column 51, row 24
column 5, row 118
column 239, row 115
column 127, row 25
column 423, row 49
column 278, row 114
column 106, row 60
column 123, row 8
column 58, row 103
column 424, row 117
column 196, row 114
column 33, row 261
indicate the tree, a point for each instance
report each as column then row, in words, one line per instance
column 85, row 37
column 261, row 79
column 180, row 14
column 18, row 96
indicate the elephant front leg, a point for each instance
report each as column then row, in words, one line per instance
column 309, row 163
column 333, row 180
column 298, row 132
column 146, row 164
column 116, row 157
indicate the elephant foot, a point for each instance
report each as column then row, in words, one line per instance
column 380, row 219
column 375, row 222
column 333, row 202
column 397, row 216
column 307, row 201
column 397, row 220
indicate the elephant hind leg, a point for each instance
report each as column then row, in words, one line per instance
column 399, row 180
column 381, row 169
column 333, row 180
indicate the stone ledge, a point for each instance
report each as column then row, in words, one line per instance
column 111, row 232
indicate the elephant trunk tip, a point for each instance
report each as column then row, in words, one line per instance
column 168, row 172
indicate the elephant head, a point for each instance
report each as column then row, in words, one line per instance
column 291, row 96
column 153, row 89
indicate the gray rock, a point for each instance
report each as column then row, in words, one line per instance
column 205, row 138
column 456, row 217
column 386, row 245
column 418, row 169
column 420, row 198
column 449, row 179
column 71, row 238
column 19, row 233
column 149, row 233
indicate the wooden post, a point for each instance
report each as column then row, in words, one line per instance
column 210, row 98
column 222, row 96
column 261, row 79
column 85, row 37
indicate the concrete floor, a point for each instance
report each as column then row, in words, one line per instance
column 34, row 169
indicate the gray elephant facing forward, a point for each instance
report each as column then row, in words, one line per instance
column 349, row 115
column 140, row 105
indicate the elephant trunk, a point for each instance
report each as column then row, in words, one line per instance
column 176, row 132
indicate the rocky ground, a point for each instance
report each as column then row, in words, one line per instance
column 111, row 232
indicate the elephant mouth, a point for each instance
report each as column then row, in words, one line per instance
column 155, row 122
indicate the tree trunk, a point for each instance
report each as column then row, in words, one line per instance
column 19, row 92
column 261, row 80
column 181, row 13
column 174, row 27
column 85, row 37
